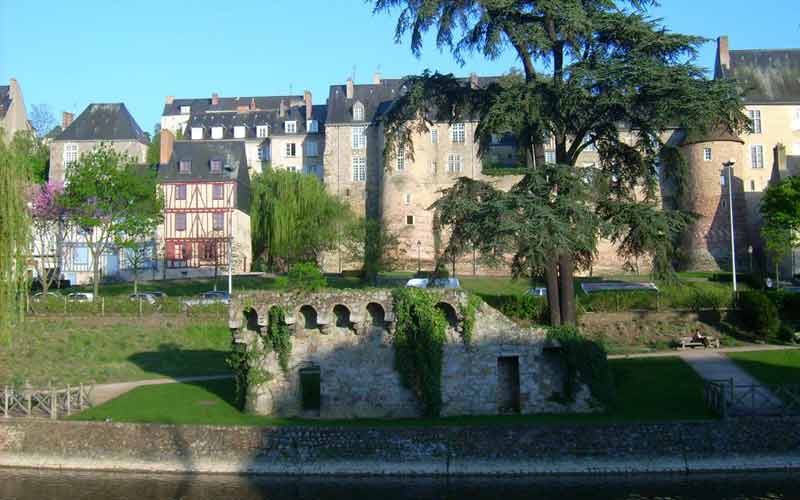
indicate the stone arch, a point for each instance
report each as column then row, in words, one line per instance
column 449, row 313
column 251, row 319
column 342, row 315
column 377, row 314
column 309, row 317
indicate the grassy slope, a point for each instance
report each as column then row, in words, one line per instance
column 771, row 367
column 648, row 390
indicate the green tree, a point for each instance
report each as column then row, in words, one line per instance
column 112, row 200
column 32, row 154
column 292, row 218
column 780, row 208
column 370, row 242
column 154, row 148
column 590, row 70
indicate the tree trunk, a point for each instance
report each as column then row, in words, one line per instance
column 567, row 288
column 553, row 300
column 96, row 276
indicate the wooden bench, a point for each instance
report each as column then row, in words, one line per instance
column 691, row 342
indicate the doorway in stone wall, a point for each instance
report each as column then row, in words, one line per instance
column 508, row 384
column 310, row 389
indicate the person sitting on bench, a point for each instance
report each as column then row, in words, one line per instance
column 699, row 337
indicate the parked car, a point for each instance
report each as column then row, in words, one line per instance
column 38, row 296
column 145, row 296
column 435, row 283
column 538, row 291
column 80, row 297
column 209, row 298
column 158, row 294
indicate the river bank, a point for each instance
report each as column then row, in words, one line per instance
column 665, row 447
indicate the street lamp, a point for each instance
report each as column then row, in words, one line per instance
column 419, row 256
column 729, row 166
column 750, row 255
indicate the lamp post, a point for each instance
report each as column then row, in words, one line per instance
column 729, row 166
column 230, row 266
column 419, row 256
column 750, row 255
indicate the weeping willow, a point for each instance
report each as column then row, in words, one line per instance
column 293, row 218
column 14, row 238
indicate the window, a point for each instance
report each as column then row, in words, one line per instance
column 197, row 133
column 70, row 154
column 216, row 166
column 457, row 133
column 359, row 169
column 185, row 167
column 290, row 127
column 180, row 192
column 400, row 161
column 796, row 119
column 757, row 156
column 180, row 222
column 549, row 156
column 358, row 112
column 80, row 256
column 291, row 150
column 455, row 163
column 262, row 131
column 263, row 153
column 209, row 251
column 239, row 131
column 434, row 135
column 312, row 126
column 707, row 154
column 217, row 191
column 408, row 199
column 755, row 117
column 216, row 132
column 311, row 148
column 185, row 110
column 409, row 220
column 359, row 137
column 218, row 222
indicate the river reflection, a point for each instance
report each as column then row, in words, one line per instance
column 50, row 485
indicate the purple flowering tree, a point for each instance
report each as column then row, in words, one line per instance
column 49, row 225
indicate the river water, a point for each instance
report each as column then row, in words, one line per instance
column 52, row 485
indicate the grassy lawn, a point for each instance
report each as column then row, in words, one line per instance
column 103, row 350
column 770, row 367
column 652, row 389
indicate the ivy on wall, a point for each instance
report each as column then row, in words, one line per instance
column 585, row 362
column 468, row 313
column 279, row 338
column 419, row 346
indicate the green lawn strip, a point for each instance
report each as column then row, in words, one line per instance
column 101, row 350
column 770, row 367
column 652, row 389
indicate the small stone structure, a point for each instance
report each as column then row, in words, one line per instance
column 342, row 359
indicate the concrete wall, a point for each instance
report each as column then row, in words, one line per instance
column 135, row 149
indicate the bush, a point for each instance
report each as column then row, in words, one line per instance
column 307, row 277
column 788, row 304
column 586, row 362
column 759, row 314
column 524, row 307
column 619, row 301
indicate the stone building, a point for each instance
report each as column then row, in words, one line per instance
column 13, row 116
column 342, row 359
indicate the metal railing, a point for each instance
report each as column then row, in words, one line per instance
column 726, row 398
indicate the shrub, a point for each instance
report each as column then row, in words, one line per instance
column 524, row 307
column 586, row 363
column 307, row 277
column 788, row 304
column 759, row 314
column 619, row 301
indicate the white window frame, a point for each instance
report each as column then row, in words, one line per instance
column 312, row 126
column 185, row 109
column 434, row 135
column 71, row 153
column 262, row 131
column 549, row 156
column 359, row 169
column 455, row 163
column 755, row 117
column 311, row 148
column 216, row 132
column 358, row 112
column 707, row 154
column 197, row 133
column 400, row 160
column 458, row 133
column 290, row 150
column 757, row 156
column 239, row 132
column 359, row 137
column 290, row 127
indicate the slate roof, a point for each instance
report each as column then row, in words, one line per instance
column 718, row 134
column 203, row 105
column 104, row 121
column 767, row 76
column 5, row 100
column 252, row 119
column 234, row 166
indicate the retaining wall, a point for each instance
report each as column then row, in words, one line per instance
column 680, row 447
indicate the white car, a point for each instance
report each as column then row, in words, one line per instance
column 39, row 296
column 537, row 292
column 436, row 283
column 80, row 297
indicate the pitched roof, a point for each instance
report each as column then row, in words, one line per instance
column 252, row 119
column 767, row 76
column 204, row 105
column 5, row 100
column 200, row 153
column 104, row 121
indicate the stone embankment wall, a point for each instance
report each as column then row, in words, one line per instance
column 680, row 447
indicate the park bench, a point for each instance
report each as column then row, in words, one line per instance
column 692, row 342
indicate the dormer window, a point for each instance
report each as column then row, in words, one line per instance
column 197, row 133
column 216, row 132
column 262, row 131
column 312, row 126
column 358, row 112
column 185, row 110
column 216, row 166
column 185, row 166
column 290, row 127
column 239, row 132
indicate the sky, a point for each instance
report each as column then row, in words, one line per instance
column 67, row 54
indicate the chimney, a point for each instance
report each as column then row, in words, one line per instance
column 309, row 104
column 214, row 99
column 253, row 104
column 282, row 109
column 376, row 78
column 167, row 145
column 723, row 57
column 349, row 93
column 66, row 120
column 170, row 99
column 473, row 81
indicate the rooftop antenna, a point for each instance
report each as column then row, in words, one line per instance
column 353, row 74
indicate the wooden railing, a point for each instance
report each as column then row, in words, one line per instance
column 25, row 401
column 726, row 398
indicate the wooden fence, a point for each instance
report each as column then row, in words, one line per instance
column 25, row 401
column 725, row 398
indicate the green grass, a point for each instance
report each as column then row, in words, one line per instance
column 71, row 351
column 652, row 389
column 770, row 367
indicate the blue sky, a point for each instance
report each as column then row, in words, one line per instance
column 68, row 54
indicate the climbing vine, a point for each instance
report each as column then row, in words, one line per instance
column 419, row 346
column 468, row 312
column 279, row 338
column 586, row 363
